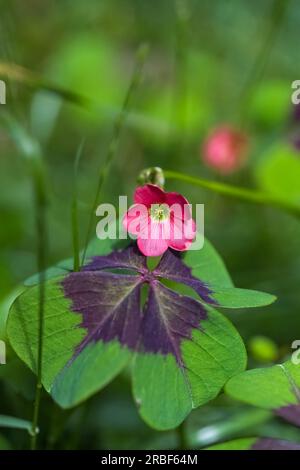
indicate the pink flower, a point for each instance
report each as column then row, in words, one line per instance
column 159, row 220
column 225, row 149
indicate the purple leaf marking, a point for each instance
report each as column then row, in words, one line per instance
column 129, row 258
column 172, row 267
column 274, row 444
column 110, row 303
column 290, row 413
column 168, row 318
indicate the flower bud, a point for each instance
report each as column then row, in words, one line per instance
column 153, row 175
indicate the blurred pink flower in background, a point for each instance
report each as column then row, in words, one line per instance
column 225, row 149
column 160, row 220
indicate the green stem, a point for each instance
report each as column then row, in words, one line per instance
column 180, row 95
column 75, row 235
column 74, row 212
column 276, row 17
column 34, row 81
column 236, row 192
column 113, row 146
column 40, row 207
column 31, row 152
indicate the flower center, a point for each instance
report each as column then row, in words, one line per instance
column 159, row 212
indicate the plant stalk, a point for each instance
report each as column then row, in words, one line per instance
column 236, row 192
column 181, row 71
column 40, row 210
column 276, row 16
column 74, row 212
column 113, row 146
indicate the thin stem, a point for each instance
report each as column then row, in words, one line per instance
column 74, row 212
column 180, row 95
column 31, row 152
column 40, row 206
column 236, row 192
column 31, row 79
column 276, row 17
column 113, row 146
column 75, row 235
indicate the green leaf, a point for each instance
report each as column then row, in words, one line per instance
column 209, row 358
column 5, row 305
column 207, row 265
column 242, row 298
column 274, row 388
column 79, row 381
column 15, row 423
column 63, row 267
column 61, row 334
column 236, row 444
column 95, row 323
column 256, row 443
column 279, row 173
column 96, row 247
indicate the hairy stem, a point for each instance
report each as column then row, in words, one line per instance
column 113, row 146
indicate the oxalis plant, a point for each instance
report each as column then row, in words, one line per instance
column 161, row 316
column 156, row 310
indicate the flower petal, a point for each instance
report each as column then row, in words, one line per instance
column 135, row 218
column 149, row 194
column 153, row 240
column 182, row 234
column 152, row 247
column 176, row 198
column 180, row 245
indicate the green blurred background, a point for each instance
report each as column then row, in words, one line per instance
column 209, row 63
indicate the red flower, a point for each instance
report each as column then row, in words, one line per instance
column 225, row 149
column 159, row 220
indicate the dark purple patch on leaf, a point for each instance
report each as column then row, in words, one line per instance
column 129, row 258
column 110, row 303
column 274, row 444
column 294, row 138
column 168, row 318
column 173, row 268
column 296, row 113
column 290, row 413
